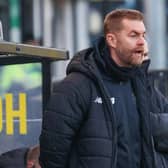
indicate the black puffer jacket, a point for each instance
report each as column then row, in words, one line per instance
column 79, row 125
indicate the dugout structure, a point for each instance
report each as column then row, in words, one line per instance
column 25, row 87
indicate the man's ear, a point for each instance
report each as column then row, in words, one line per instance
column 111, row 40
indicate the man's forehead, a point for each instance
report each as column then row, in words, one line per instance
column 134, row 25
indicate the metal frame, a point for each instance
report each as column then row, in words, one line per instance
column 13, row 49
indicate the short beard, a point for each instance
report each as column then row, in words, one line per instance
column 121, row 57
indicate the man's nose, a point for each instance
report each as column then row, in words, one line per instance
column 141, row 41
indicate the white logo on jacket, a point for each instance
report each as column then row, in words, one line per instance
column 112, row 100
column 98, row 100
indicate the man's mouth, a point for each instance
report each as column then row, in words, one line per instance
column 139, row 52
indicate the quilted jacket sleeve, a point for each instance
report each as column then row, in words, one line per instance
column 159, row 121
column 61, row 122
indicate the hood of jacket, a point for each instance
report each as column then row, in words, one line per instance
column 96, row 60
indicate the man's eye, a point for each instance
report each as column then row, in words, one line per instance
column 144, row 36
column 133, row 35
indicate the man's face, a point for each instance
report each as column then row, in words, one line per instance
column 130, row 41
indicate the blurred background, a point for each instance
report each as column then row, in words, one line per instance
column 75, row 24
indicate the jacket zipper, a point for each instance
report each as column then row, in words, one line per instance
column 113, row 123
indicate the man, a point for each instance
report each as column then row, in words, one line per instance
column 32, row 158
column 21, row 158
column 105, row 113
